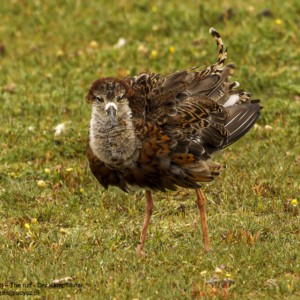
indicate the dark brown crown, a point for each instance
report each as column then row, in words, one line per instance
column 106, row 84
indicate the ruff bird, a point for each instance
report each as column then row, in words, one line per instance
column 158, row 132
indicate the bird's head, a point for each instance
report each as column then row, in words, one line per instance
column 108, row 98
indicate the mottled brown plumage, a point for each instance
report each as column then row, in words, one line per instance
column 157, row 131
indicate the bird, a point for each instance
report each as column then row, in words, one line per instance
column 159, row 132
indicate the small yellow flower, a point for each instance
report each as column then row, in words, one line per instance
column 93, row 44
column 218, row 271
column 81, row 191
column 41, row 183
column 251, row 9
column 127, row 72
column 47, row 171
column 154, row 8
column 172, row 49
column 63, row 231
column 27, row 226
column 142, row 48
column 60, row 53
column 228, row 275
column 69, row 170
column 153, row 253
column 203, row 273
column 294, row 202
column 48, row 75
column 278, row 21
column 13, row 174
column 33, row 221
column 153, row 53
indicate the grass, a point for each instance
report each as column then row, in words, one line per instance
column 47, row 62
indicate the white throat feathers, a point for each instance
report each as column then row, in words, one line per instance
column 118, row 147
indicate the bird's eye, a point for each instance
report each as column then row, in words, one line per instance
column 120, row 98
column 99, row 99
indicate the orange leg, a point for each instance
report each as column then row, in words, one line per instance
column 201, row 205
column 149, row 210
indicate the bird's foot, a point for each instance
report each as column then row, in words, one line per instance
column 141, row 252
column 206, row 249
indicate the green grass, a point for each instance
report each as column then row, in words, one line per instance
column 47, row 64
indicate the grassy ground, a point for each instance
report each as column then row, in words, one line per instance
column 50, row 53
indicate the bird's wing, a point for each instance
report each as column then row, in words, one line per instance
column 189, row 115
column 159, row 167
column 202, row 110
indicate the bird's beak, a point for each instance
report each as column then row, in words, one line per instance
column 112, row 113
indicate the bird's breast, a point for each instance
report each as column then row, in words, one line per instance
column 117, row 147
